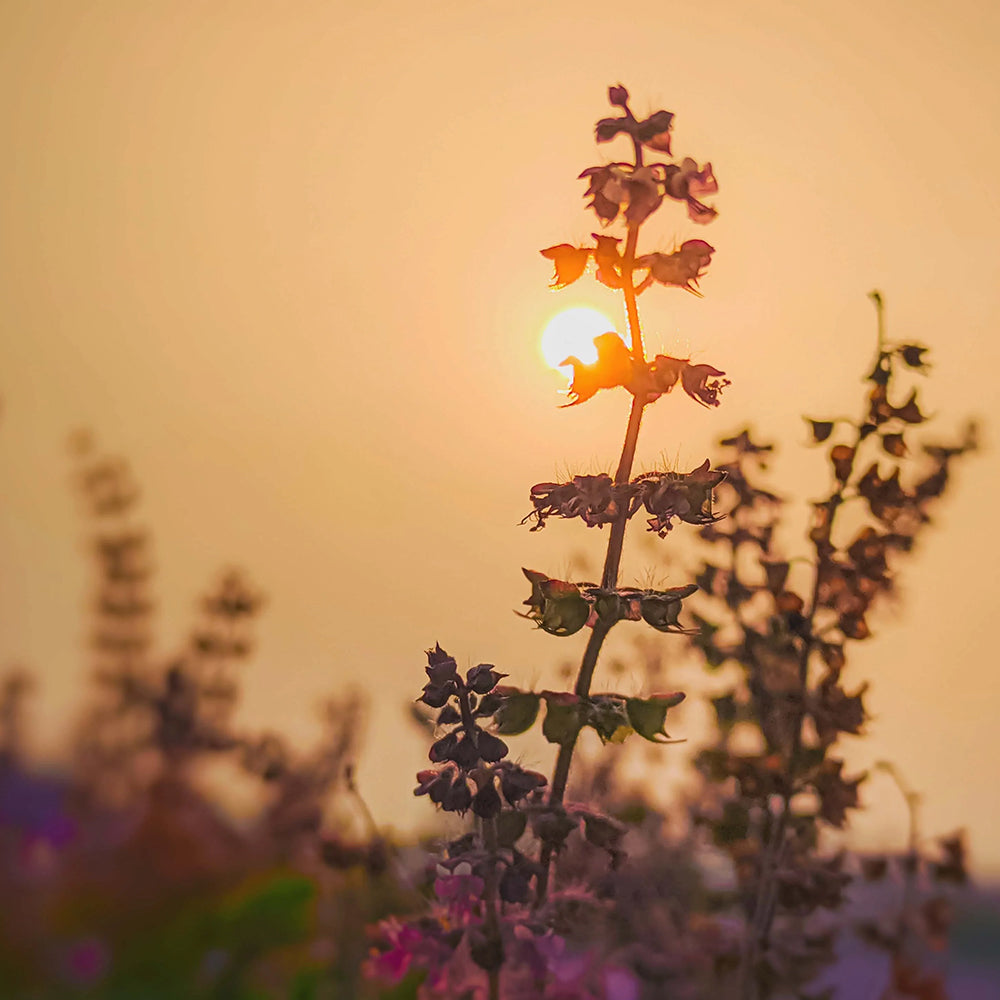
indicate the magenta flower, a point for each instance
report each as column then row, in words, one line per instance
column 459, row 888
column 403, row 947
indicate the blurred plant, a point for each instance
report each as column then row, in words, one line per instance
column 915, row 936
column 787, row 624
column 153, row 718
column 126, row 875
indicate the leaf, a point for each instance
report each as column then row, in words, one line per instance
column 562, row 716
column 660, row 609
column 511, row 823
column 821, row 429
column 607, row 128
column 648, row 715
column 555, row 606
column 517, row 713
column 271, row 915
column 655, row 131
column 602, row 831
column 912, row 355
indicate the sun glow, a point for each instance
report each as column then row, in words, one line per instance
column 572, row 333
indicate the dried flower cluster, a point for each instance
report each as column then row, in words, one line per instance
column 597, row 500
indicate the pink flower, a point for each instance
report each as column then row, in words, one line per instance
column 402, row 946
column 460, row 889
column 620, row 984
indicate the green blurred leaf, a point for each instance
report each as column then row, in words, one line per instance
column 562, row 716
column 511, row 824
column 648, row 715
column 271, row 915
column 518, row 711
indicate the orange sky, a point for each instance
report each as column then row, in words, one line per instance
column 284, row 257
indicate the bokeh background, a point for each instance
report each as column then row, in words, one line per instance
column 284, row 257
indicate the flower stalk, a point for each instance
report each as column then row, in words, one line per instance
column 624, row 278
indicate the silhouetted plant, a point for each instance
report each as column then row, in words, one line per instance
column 524, row 947
column 497, row 923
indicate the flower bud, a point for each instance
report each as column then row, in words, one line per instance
column 618, row 96
column 483, row 678
column 440, row 666
column 464, row 753
column 444, row 748
column 437, row 695
column 458, row 796
column 515, row 782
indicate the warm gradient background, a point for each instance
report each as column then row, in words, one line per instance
column 283, row 256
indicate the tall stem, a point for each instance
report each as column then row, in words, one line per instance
column 613, row 556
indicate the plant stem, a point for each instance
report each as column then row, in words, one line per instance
column 767, row 893
column 762, row 919
column 612, row 559
column 492, row 921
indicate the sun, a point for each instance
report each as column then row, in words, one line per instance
column 572, row 333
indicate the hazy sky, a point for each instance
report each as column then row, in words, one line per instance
column 283, row 256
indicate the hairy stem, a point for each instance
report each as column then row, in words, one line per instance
column 613, row 556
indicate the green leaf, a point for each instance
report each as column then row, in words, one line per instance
column 562, row 716
column 556, row 606
column 510, row 825
column 648, row 715
column 564, row 613
column 517, row 712
column 661, row 608
column 271, row 915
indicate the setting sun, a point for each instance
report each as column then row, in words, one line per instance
column 572, row 333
